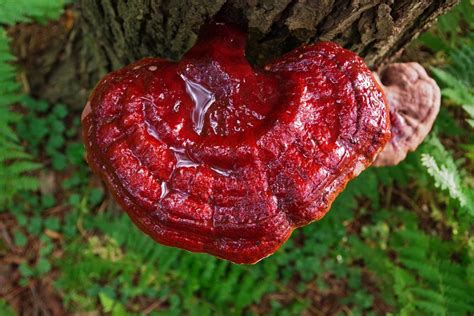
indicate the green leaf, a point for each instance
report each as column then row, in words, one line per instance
column 111, row 306
column 75, row 199
column 48, row 200
column 59, row 161
column 96, row 195
column 75, row 153
column 52, row 223
column 5, row 309
column 60, row 111
column 25, row 270
column 20, row 239
column 43, row 266
column 35, row 225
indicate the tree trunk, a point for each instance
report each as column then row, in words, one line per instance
column 109, row 34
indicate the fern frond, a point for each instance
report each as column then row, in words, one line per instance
column 12, row 152
column 462, row 64
column 15, row 162
column 423, row 278
column 14, row 11
column 429, row 306
column 457, row 80
column 441, row 166
column 470, row 111
column 445, row 179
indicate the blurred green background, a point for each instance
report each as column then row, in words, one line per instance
column 398, row 240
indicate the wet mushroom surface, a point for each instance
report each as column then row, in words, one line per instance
column 210, row 154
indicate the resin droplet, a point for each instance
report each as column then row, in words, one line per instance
column 202, row 98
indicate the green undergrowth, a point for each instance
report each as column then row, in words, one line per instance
column 398, row 240
column 5, row 309
column 16, row 162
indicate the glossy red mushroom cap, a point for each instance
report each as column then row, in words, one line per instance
column 212, row 155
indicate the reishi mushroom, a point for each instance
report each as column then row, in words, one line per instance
column 212, row 155
column 414, row 100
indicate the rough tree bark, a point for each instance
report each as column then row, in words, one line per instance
column 108, row 34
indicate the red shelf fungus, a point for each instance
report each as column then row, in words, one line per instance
column 414, row 100
column 212, row 155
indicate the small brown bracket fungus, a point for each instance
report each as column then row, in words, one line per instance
column 414, row 100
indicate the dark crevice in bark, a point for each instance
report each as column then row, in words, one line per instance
column 278, row 33
column 421, row 24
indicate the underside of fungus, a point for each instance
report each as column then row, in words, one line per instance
column 212, row 155
column 414, row 100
